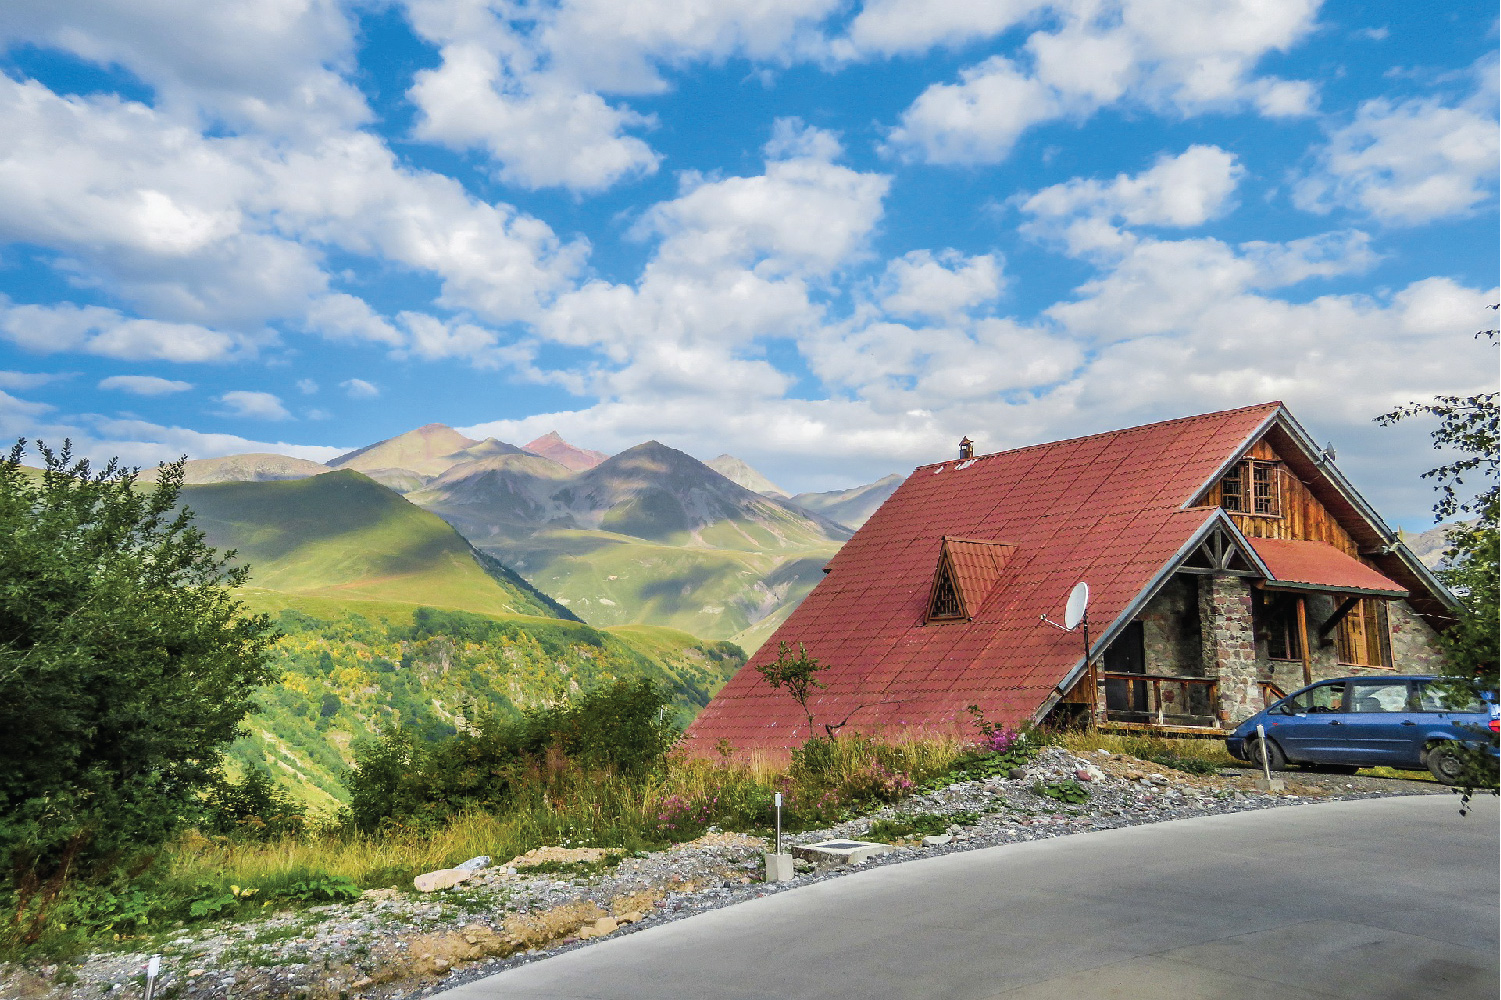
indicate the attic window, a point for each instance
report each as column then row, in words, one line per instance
column 1253, row 487
column 945, row 603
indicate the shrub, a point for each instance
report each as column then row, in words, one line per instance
column 254, row 809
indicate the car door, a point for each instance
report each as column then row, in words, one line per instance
column 1380, row 726
column 1308, row 726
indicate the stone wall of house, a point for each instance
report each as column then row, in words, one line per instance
column 1229, row 645
column 1170, row 629
column 1415, row 645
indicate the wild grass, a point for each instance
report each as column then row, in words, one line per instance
column 1202, row 755
column 577, row 808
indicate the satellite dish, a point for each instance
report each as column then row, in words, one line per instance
column 1078, row 603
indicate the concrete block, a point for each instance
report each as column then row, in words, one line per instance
column 779, row 867
column 840, row 852
column 937, row 841
column 1275, row 785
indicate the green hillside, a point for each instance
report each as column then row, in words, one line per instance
column 343, row 535
column 350, row 669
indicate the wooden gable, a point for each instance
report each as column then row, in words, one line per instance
column 1300, row 517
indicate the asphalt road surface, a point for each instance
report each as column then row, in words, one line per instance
column 1381, row 898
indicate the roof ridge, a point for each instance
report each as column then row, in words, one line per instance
column 1269, row 405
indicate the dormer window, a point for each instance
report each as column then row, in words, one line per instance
column 968, row 570
column 1253, row 487
column 945, row 597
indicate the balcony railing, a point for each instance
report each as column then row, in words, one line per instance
column 1164, row 707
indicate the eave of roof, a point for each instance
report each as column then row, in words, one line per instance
column 1305, row 565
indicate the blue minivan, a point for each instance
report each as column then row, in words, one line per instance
column 1353, row 722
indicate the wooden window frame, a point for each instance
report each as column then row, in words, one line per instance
column 1240, row 491
column 1361, row 639
column 945, row 581
column 1276, row 616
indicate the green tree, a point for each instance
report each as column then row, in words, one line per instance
column 1467, row 485
column 126, row 667
column 798, row 674
column 1467, row 430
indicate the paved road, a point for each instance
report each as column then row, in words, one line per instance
column 1383, row 898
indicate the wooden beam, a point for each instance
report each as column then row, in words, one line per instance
column 1303, row 639
column 1339, row 616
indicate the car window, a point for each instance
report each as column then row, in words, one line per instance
column 1319, row 698
column 1378, row 696
column 1448, row 696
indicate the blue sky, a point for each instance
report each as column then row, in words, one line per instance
column 829, row 238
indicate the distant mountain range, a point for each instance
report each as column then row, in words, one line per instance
column 851, row 507
column 648, row 536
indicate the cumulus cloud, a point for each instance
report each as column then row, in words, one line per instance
column 1180, row 191
column 924, row 284
column 255, row 405
column 97, row 330
column 530, row 89
column 268, row 68
column 29, row 380
column 144, row 385
column 1409, row 162
column 1173, row 56
column 307, row 386
column 358, row 388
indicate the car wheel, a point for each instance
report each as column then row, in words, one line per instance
column 1444, row 764
column 1275, row 759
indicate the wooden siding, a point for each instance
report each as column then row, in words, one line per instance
column 1303, row 517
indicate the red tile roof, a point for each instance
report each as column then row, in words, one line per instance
column 1106, row 508
column 1317, row 566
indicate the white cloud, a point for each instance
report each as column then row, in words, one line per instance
column 1179, row 191
column 307, row 386
column 541, row 132
column 529, row 85
column 97, row 330
column 1170, row 56
column 892, row 27
column 358, row 388
column 1409, row 162
column 256, row 405
column 345, row 317
column 140, row 442
column 29, row 380
column 922, row 284
column 977, row 119
column 271, row 66
column 144, row 385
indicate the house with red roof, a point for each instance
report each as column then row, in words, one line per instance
column 1226, row 557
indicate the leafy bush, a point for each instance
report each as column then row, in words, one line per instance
column 320, row 889
column 912, row 825
column 620, row 729
column 1188, row 765
column 254, row 809
column 1068, row 791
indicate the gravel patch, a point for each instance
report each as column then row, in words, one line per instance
column 392, row 945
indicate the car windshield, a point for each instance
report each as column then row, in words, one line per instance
column 1449, row 696
column 1319, row 698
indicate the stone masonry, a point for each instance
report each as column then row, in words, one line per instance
column 1415, row 647
column 1229, row 648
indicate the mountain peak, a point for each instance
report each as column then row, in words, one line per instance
column 426, row 451
column 740, row 473
column 551, row 445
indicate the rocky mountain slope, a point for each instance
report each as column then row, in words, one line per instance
column 851, row 507
column 741, row 474
column 254, row 468
column 649, row 535
column 550, row 445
